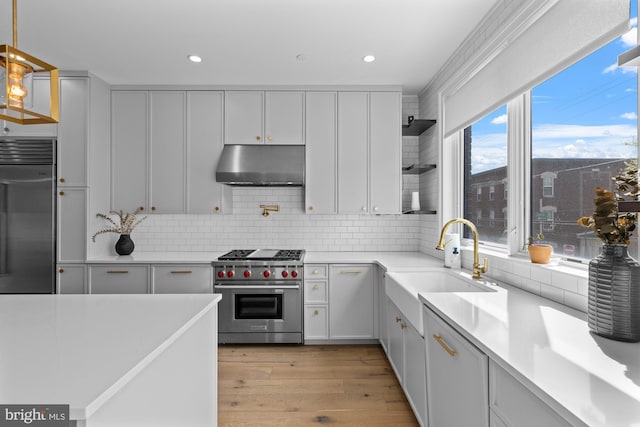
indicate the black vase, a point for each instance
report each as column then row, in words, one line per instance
column 124, row 245
column 614, row 294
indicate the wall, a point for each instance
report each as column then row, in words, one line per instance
column 289, row 228
column 565, row 285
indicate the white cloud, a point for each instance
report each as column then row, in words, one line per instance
column 630, row 116
column 624, row 70
column 630, row 38
column 610, row 69
column 500, row 120
column 574, row 132
column 580, row 141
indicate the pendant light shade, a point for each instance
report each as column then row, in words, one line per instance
column 17, row 69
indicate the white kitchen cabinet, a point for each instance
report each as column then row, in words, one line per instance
column 385, row 152
column 284, row 117
column 406, row 354
column 40, row 99
column 369, row 152
column 182, row 279
column 71, row 279
column 167, row 151
column 353, row 163
column 118, row 279
column 73, row 133
column 316, row 322
column 205, row 112
column 129, row 167
column 351, row 302
column 513, row 405
column 257, row 117
column 316, row 302
column 457, row 377
column 321, row 151
column 71, row 222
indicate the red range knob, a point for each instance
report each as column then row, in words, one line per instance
column 247, row 274
column 294, row 274
column 285, row 273
column 266, row 273
column 221, row 274
column 230, row 273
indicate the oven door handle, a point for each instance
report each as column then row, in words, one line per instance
column 260, row 287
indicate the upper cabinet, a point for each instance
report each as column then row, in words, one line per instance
column 369, row 152
column 73, row 132
column 257, row 117
column 165, row 148
column 320, row 150
column 205, row 111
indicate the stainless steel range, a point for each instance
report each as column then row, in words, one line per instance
column 261, row 296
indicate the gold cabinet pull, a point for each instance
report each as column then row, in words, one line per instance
column 350, row 271
column 61, row 270
column 315, row 272
column 61, row 179
column 117, row 271
column 403, row 325
column 153, row 208
column 141, row 208
column 315, row 287
column 257, row 138
column 217, row 209
column 61, row 193
column 181, row 272
column 315, row 312
column 270, row 138
column 311, row 208
column 398, row 319
column 444, row 345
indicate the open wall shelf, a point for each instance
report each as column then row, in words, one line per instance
column 416, row 127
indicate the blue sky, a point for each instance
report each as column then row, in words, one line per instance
column 588, row 110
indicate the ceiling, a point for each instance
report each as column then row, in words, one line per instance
column 246, row 42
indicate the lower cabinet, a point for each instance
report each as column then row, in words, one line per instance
column 71, row 279
column 181, row 279
column 457, row 377
column 351, row 302
column 405, row 350
column 513, row 405
column 118, row 279
column 339, row 302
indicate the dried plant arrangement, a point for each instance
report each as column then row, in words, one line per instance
column 125, row 225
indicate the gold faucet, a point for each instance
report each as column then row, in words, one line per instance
column 269, row 208
column 477, row 268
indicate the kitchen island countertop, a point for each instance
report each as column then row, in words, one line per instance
column 86, row 350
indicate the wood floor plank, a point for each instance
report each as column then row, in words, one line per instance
column 284, row 385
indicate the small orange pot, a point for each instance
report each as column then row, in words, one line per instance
column 540, row 254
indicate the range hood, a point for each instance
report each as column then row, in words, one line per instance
column 261, row 165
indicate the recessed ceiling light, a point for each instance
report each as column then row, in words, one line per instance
column 369, row 58
column 194, row 58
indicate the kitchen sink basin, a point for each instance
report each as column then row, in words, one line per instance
column 403, row 289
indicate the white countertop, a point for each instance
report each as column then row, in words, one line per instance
column 391, row 261
column 81, row 349
column 549, row 345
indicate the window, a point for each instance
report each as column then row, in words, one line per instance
column 584, row 131
column 547, row 184
column 485, row 148
column 569, row 134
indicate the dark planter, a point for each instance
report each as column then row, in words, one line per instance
column 614, row 294
column 124, row 245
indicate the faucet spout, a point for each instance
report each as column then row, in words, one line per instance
column 477, row 268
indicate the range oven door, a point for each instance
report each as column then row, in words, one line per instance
column 259, row 313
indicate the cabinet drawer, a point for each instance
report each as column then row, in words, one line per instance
column 316, row 271
column 516, row 405
column 118, row 279
column 182, row 279
column 316, row 322
column 315, row 291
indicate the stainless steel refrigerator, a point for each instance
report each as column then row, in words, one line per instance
column 27, row 216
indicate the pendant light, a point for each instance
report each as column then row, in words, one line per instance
column 17, row 69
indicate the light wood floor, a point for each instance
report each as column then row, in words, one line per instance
column 287, row 385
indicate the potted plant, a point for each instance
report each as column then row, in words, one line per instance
column 614, row 276
column 124, row 227
column 540, row 253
